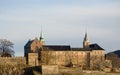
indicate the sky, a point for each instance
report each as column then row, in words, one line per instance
column 63, row 22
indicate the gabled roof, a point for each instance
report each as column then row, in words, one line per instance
column 95, row 47
column 57, row 47
column 28, row 44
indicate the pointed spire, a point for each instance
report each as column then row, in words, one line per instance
column 86, row 37
column 42, row 37
column 86, row 41
column 42, row 40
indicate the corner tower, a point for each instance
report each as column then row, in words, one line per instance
column 86, row 41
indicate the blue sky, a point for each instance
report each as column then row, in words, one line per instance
column 63, row 22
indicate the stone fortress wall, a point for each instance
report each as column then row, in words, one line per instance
column 12, row 60
column 78, row 58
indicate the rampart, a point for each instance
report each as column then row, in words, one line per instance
column 12, row 60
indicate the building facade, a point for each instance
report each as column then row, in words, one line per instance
column 90, row 56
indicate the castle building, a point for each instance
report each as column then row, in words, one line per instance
column 90, row 56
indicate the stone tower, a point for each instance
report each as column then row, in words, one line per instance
column 42, row 40
column 86, row 41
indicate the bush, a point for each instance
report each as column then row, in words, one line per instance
column 11, row 69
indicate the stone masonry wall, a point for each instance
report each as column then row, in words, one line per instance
column 12, row 60
column 33, row 59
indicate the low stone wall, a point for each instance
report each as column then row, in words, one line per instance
column 50, row 70
column 12, row 60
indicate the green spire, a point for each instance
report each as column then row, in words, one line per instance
column 42, row 37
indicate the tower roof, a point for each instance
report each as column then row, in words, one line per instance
column 28, row 44
column 86, row 37
column 42, row 36
column 57, row 47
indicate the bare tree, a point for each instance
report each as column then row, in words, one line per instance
column 6, row 48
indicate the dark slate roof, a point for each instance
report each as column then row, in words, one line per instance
column 28, row 44
column 95, row 47
column 117, row 52
column 81, row 49
column 57, row 47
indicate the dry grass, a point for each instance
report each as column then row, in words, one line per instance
column 18, row 70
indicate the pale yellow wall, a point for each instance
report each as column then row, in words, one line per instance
column 64, row 57
column 33, row 59
column 97, row 54
column 80, row 58
column 60, row 57
column 76, row 57
column 97, row 57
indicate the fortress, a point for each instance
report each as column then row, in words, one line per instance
column 38, row 53
column 59, row 59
